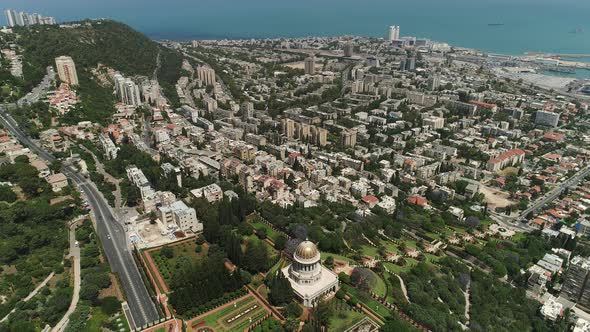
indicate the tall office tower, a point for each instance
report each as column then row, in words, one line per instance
column 547, row 118
column 206, row 75
column 348, row 137
column 402, row 63
column 211, row 105
column 132, row 93
column 247, row 109
column 120, row 86
column 66, row 69
column 393, row 33
column 34, row 19
column 411, row 63
column 576, row 287
column 319, row 136
column 434, row 82
column 10, row 17
column 310, row 65
column 288, row 128
column 20, row 19
column 407, row 63
column 348, row 49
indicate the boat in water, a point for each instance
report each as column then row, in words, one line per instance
column 495, row 24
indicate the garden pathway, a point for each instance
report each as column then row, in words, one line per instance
column 33, row 293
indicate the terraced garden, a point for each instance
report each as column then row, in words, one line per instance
column 376, row 307
column 344, row 316
column 235, row 316
column 257, row 224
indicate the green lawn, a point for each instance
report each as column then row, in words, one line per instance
column 431, row 258
column 324, row 255
column 379, row 288
column 277, row 266
column 270, row 233
column 518, row 237
column 97, row 319
column 390, row 246
column 217, row 319
column 121, row 320
column 369, row 250
column 211, row 320
column 389, row 296
column 272, row 252
column 410, row 243
column 376, row 307
column 344, row 316
column 410, row 262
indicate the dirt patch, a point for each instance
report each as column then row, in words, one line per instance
column 9, row 269
column 112, row 290
column 496, row 198
column 509, row 170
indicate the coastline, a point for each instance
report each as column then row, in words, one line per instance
column 556, row 80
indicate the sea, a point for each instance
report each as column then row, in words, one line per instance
column 496, row 26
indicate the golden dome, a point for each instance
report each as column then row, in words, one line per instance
column 307, row 250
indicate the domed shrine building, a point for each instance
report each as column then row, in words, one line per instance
column 309, row 279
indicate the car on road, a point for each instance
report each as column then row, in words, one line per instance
column 109, row 236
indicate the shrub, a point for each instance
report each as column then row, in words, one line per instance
column 280, row 242
column 293, row 309
column 167, row 252
column 110, row 305
column 344, row 278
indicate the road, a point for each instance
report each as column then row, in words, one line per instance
column 108, row 177
column 110, row 231
column 555, row 192
column 155, row 74
column 513, row 222
column 75, row 254
column 38, row 91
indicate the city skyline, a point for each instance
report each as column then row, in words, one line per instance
column 521, row 32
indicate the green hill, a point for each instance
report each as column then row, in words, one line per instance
column 105, row 42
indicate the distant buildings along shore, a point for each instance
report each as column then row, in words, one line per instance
column 14, row 18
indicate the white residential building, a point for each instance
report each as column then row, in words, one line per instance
column 110, row 150
column 66, row 69
column 212, row 193
column 181, row 215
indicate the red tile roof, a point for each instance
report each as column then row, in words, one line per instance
column 417, row 200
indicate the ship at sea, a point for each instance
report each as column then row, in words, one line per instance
column 495, row 24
